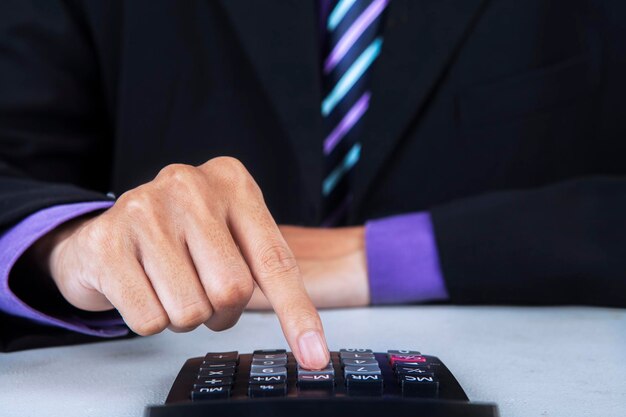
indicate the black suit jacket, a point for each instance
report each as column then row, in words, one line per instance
column 504, row 118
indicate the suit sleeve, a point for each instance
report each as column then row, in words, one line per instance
column 560, row 244
column 564, row 243
column 54, row 130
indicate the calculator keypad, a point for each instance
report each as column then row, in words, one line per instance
column 351, row 372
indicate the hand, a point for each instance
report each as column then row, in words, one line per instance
column 185, row 249
column 332, row 263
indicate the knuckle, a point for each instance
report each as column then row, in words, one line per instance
column 277, row 259
column 233, row 296
column 231, row 175
column 225, row 324
column 137, row 204
column 227, row 164
column 191, row 315
column 151, row 326
column 220, row 327
column 179, row 178
column 183, row 181
column 177, row 174
column 229, row 169
column 248, row 187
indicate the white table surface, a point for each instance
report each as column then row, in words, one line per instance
column 530, row 361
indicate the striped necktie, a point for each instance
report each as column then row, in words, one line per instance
column 352, row 44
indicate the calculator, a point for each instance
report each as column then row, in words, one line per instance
column 356, row 382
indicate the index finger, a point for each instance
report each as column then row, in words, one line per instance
column 275, row 270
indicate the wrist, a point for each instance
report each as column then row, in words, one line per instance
column 47, row 248
column 358, row 265
column 359, row 279
column 353, row 239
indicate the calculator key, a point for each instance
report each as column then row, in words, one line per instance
column 212, row 382
column 359, row 362
column 345, row 356
column 316, row 381
column 355, row 350
column 364, row 384
column 218, row 357
column 269, row 352
column 362, row 370
column 269, row 362
column 268, row 390
column 317, row 376
column 412, row 370
column 216, row 373
column 419, row 385
column 414, row 359
column 268, row 379
column 270, row 357
column 413, row 365
column 328, row 369
column 403, row 352
column 213, row 365
column 210, row 393
column 264, row 371
column 372, row 380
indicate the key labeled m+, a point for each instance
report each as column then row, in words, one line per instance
column 268, row 379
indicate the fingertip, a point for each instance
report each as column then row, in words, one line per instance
column 313, row 350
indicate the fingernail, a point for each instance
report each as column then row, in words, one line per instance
column 313, row 350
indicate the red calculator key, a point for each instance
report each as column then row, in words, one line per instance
column 414, row 359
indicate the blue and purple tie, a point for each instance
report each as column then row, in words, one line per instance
column 352, row 44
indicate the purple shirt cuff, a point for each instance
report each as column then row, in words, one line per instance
column 16, row 240
column 402, row 260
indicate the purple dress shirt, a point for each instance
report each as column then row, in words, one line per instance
column 402, row 259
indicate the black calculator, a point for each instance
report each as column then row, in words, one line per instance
column 356, row 382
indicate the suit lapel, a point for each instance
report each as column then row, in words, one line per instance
column 282, row 42
column 421, row 39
